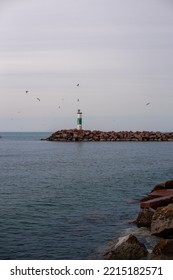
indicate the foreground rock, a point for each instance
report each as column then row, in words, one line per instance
column 157, row 214
column 164, row 185
column 163, row 250
column 67, row 135
column 157, row 210
column 162, row 222
column 154, row 203
column 126, row 248
column 144, row 218
column 158, row 219
column 161, row 195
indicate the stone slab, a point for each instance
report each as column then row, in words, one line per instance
column 157, row 202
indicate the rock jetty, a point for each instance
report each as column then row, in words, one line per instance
column 156, row 213
column 157, row 210
column 160, row 202
column 68, row 135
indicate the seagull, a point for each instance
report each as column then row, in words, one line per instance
column 77, row 85
column 38, row 99
column 147, row 103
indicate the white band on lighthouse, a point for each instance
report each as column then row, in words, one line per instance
column 79, row 119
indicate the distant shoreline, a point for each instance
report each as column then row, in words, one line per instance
column 74, row 135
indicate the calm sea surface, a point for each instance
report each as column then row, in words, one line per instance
column 67, row 200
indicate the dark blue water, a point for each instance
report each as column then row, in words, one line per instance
column 66, row 200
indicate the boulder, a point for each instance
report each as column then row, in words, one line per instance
column 163, row 250
column 161, row 192
column 157, row 202
column 158, row 187
column 169, row 184
column 164, row 185
column 162, row 222
column 145, row 198
column 126, row 248
column 144, row 218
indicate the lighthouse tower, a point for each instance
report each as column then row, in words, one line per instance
column 79, row 119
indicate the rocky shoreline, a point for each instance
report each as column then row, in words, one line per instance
column 73, row 135
column 156, row 214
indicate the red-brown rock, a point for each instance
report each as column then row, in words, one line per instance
column 163, row 250
column 96, row 135
column 164, row 185
column 162, row 221
column 161, row 193
column 169, row 184
column 157, row 202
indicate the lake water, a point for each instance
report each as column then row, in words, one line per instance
column 67, row 200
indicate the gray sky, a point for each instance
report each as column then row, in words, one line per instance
column 120, row 53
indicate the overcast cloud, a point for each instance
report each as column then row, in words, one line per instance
column 120, row 52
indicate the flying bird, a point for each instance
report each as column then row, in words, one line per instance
column 147, row 103
column 77, row 85
column 38, row 99
column 26, row 91
column 78, row 100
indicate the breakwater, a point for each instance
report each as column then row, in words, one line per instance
column 156, row 214
column 67, row 135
